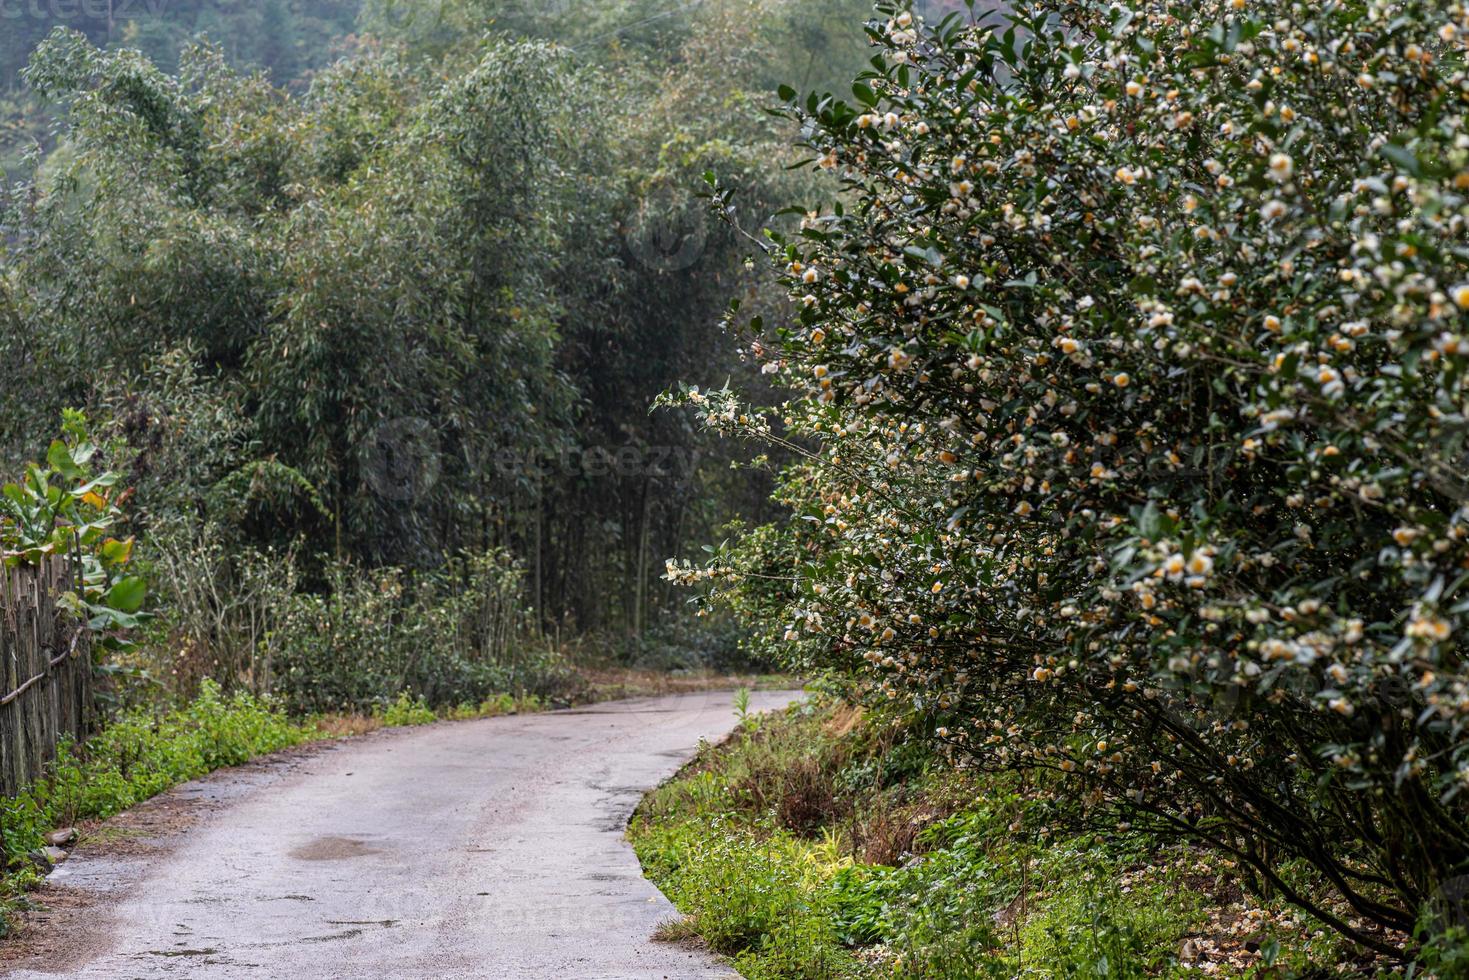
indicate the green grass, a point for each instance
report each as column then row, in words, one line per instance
column 815, row 844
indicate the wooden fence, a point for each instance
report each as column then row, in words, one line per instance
column 45, row 671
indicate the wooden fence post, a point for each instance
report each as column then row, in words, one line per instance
column 45, row 671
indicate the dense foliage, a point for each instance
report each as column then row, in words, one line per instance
column 397, row 316
column 1131, row 382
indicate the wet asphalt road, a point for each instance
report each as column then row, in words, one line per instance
column 487, row 849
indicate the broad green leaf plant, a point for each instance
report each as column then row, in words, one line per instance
column 62, row 509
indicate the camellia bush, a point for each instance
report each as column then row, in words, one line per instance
column 1129, row 380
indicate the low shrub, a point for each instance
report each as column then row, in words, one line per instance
column 687, row 643
column 985, row 885
column 407, row 710
column 459, row 635
column 62, row 507
column 759, row 902
column 799, row 793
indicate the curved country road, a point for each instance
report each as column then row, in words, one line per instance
column 487, row 849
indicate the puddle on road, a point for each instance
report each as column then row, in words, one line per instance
column 333, row 849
